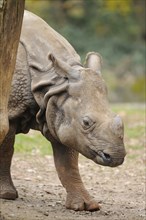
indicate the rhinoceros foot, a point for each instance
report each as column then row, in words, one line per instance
column 80, row 202
column 7, row 190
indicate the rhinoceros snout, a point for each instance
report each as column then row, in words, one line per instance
column 109, row 158
column 116, row 162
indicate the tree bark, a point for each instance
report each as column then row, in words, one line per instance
column 11, row 15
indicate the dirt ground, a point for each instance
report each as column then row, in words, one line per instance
column 120, row 191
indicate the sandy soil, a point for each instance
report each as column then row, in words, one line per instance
column 120, row 191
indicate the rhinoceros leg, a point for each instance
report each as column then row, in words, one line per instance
column 66, row 162
column 7, row 189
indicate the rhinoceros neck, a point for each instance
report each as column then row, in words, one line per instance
column 40, row 40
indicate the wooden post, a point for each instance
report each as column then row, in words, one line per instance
column 11, row 15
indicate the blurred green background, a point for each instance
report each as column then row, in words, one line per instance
column 114, row 28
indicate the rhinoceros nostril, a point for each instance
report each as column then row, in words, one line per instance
column 106, row 157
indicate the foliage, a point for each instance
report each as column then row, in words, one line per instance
column 138, row 87
column 116, row 29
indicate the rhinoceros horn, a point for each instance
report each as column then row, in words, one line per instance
column 93, row 61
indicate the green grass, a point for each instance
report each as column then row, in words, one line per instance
column 135, row 131
column 130, row 108
column 32, row 143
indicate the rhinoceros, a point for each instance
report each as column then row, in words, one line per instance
column 67, row 102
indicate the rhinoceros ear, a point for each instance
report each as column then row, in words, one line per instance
column 93, row 61
column 63, row 69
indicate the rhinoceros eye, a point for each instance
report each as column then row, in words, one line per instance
column 87, row 122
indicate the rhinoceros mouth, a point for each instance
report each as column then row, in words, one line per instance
column 102, row 158
column 105, row 159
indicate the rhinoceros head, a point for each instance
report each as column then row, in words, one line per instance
column 77, row 114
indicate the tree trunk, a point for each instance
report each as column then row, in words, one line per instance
column 11, row 14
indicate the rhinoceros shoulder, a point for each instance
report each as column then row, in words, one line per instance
column 40, row 40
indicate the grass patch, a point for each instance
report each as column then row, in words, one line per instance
column 132, row 156
column 130, row 110
column 135, row 131
column 136, row 147
column 33, row 143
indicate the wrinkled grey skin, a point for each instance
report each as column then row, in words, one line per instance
column 53, row 93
